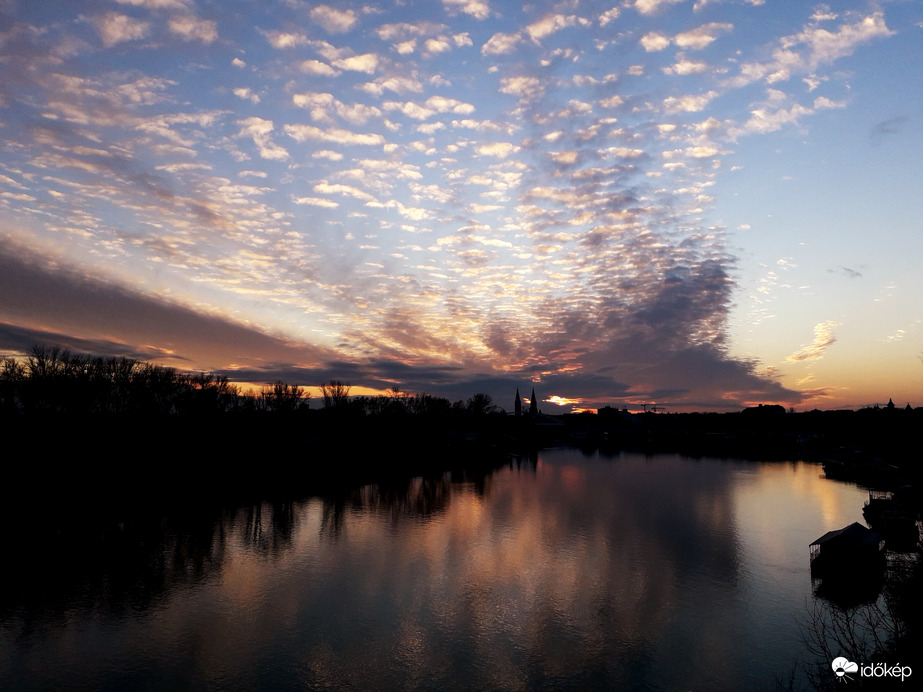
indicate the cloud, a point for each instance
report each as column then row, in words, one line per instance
column 548, row 25
column 686, row 67
column 434, row 46
column 246, row 94
column 654, row 41
column 304, row 133
column 608, row 16
column 823, row 13
column 19, row 339
column 367, row 62
column 316, row 67
column 690, row 103
column 695, row 39
column 886, row 128
column 396, row 84
column 533, row 211
column 282, row 40
column 430, row 107
column 896, row 336
column 851, row 273
column 327, row 154
column 259, row 130
column 106, row 319
column 114, row 28
column 316, row 202
column 324, row 106
column 501, row 44
column 827, row 46
column 189, row 28
column 158, row 4
column 525, row 87
column 763, row 120
column 409, row 109
column 702, row 36
column 405, row 37
column 400, row 32
column 442, row 104
column 498, row 149
column 653, row 6
column 479, row 9
column 805, row 51
column 333, row 20
column 340, row 189
column 823, row 338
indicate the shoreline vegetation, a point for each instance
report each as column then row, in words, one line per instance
column 93, row 420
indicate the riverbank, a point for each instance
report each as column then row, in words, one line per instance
column 310, row 450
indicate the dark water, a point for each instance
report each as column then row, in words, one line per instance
column 569, row 571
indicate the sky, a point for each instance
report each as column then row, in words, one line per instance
column 696, row 204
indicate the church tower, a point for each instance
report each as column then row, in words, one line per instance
column 533, row 405
column 517, row 405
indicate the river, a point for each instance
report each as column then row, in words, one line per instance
column 564, row 570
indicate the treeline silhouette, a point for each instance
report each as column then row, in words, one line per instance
column 88, row 422
column 51, row 380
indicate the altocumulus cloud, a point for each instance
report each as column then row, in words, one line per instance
column 448, row 196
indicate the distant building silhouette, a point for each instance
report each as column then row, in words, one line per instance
column 517, row 405
column 768, row 410
column 533, row 405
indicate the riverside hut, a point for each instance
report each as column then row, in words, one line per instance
column 853, row 546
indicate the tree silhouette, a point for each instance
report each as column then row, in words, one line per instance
column 336, row 394
column 480, row 404
column 12, row 375
column 282, row 398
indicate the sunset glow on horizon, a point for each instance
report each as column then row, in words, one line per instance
column 702, row 205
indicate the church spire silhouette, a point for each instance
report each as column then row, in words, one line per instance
column 533, row 405
column 517, row 405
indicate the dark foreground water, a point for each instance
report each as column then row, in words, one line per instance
column 565, row 571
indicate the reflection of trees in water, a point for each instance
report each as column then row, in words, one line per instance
column 84, row 556
column 275, row 536
column 417, row 499
column 333, row 517
column 421, row 499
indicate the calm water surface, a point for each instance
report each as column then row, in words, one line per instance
column 564, row 571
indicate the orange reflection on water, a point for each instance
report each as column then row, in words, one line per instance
column 797, row 497
column 573, row 571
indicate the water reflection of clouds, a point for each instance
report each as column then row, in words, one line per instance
column 559, row 574
column 622, row 572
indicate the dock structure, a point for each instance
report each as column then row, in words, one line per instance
column 851, row 547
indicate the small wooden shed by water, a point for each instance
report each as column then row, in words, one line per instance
column 852, row 546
